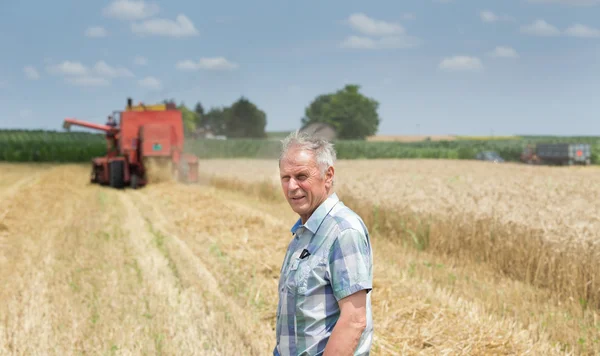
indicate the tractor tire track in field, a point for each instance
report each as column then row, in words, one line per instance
column 27, row 261
column 202, row 314
column 187, row 319
column 13, row 187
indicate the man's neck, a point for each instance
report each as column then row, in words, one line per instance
column 304, row 218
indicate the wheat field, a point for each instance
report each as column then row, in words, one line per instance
column 561, row 202
column 180, row 269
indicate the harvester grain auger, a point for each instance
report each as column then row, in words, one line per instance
column 144, row 136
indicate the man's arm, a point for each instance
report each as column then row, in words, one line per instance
column 348, row 330
column 350, row 264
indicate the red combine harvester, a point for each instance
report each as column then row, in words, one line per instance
column 144, row 134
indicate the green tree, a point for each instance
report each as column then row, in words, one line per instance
column 189, row 119
column 214, row 120
column 244, row 119
column 199, row 109
column 353, row 115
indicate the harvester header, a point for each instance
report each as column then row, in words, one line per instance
column 143, row 134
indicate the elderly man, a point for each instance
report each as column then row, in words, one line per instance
column 327, row 273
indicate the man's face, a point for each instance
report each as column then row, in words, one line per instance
column 302, row 184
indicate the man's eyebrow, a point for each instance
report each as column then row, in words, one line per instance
column 301, row 172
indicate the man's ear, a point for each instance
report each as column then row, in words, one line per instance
column 329, row 175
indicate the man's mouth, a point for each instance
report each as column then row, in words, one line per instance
column 297, row 198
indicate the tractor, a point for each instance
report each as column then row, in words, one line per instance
column 141, row 136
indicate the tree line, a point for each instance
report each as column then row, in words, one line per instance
column 352, row 114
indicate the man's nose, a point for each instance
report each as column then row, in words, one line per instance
column 292, row 184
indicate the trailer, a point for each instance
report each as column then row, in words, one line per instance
column 558, row 154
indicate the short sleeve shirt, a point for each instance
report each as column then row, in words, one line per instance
column 329, row 258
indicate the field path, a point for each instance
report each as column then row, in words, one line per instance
column 92, row 270
column 202, row 304
column 15, row 176
column 35, row 212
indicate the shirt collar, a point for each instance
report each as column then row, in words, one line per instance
column 317, row 217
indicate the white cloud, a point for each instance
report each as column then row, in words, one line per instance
column 488, row 16
column 88, row 81
column 140, row 61
column 382, row 34
column 150, row 83
column 461, row 63
column 504, row 52
column 181, row 27
column 103, row 69
column 579, row 30
column 187, row 64
column 96, row 32
column 31, row 73
column 369, row 26
column 567, row 2
column 215, row 63
column 540, row 28
column 68, row 68
column 100, row 74
column 131, row 9
column 392, row 42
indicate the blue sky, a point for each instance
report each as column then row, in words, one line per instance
column 435, row 66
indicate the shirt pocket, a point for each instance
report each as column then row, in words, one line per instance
column 310, row 273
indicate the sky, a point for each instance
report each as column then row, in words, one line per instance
column 436, row 67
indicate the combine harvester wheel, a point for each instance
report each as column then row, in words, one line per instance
column 117, row 174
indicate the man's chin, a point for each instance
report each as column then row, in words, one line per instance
column 299, row 208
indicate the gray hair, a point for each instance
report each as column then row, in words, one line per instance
column 322, row 149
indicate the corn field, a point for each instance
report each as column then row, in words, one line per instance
column 49, row 146
column 54, row 146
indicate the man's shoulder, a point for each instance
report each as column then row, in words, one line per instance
column 343, row 218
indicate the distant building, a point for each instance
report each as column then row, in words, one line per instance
column 207, row 133
column 319, row 129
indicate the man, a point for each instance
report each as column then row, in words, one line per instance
column 327, row 274
column 111, row 122
column 112, row 143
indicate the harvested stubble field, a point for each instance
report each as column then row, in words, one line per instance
column 192, row 269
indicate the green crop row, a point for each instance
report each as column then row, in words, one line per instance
column 49, row 136
column 52, row 146
column 510, row 150
column 39, row 151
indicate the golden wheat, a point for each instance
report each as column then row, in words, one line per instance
column 516, row 220
column 563, row 203
column 193, row 269
column 244, row 241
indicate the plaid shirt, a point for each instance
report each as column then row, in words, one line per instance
column 339, row 263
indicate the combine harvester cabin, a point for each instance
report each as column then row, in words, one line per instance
column 142, row 136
